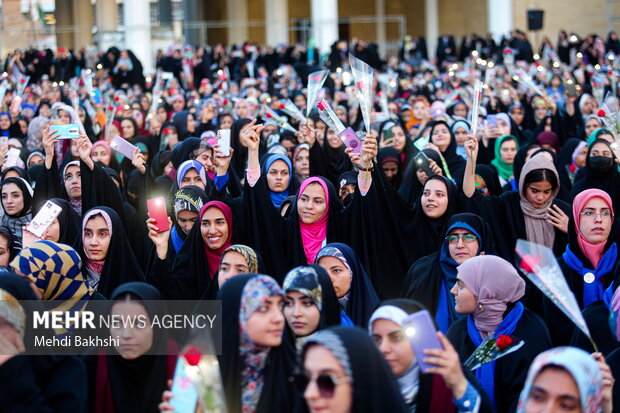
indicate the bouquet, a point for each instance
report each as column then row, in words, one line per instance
column 279, row 120
column 492, row 349
column 291, row 110
column 315, row 84
column 363, row 75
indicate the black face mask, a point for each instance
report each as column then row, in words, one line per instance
column 600, row 165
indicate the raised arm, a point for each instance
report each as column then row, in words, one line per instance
column 469, row 180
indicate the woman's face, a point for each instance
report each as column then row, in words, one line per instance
column 600, row 149
column 539, row 193
column 278, row 176
column 100, row 154
column 52, row 233
column 441, row 137
column 128, row 129
column 460, row 110
column 540, row 111
column 214, row 228
column 191, row 125
column 462, row 245
column 592, row 124
column 302, row 315
column 137, row 115
column 393, row 344
column 232, row 264
column 434, row 199
column 35, row 160
column 44, row 110
column 517, row 116
column 23, row 126
column 114, row 130
column 400, row 139
column 96, row 238
column 12, row 199
column 161, row 113
column 508, row 151
column 319, row 361
column 302, row 162
column 338, row 273
column 333, row 140
column 5, row 253
column 75, row 150
column 63, row 117
column 5, row 122
column 134, row 340
column 73, row 182
column 420, row 111
column 226, row 122
column 553, row 390
column 465, row 301
column 266, row 324
column 595, row 221
column 421, row 175
column 192, row 177
column 178, row 104
column 390, row 169
column 460, row 135
column 580, row 159
column 502, row 127
column 311, row 205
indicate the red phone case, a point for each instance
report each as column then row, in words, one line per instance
column 157, row 211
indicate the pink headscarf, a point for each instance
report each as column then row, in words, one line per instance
column 496, row 283
column 103, row 143
column 313, row 235
column 593, row 252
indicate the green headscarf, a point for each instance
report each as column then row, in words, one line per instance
column 594, row 135
column 505, row 170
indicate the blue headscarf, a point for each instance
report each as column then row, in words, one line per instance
column 5, row 132
column 278, row 197
column 186, row 166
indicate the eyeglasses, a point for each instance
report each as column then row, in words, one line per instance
column 326, row 383
column 592, row 214
column 466, row 238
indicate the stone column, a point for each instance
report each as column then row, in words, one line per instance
column 324, row 23
column 276, row 21
column 138, row 31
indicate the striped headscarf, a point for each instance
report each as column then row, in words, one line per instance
column 248, row 253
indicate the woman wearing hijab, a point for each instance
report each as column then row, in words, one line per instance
column 460, row 129
column 442, row 137
column 532, row 213
column 197, row 262
column 16, row 204
column 571, row 159
column 132, row 376
column 188, row 201
column 600, row 172
column 310, row 303
column 256, row 363
column 506, row 148
column 108, row 256
column 450, row 390
column 184, row 123
column 301, row 162
column 327, row 158
column 238, row 142
column 343, row 371
column 102, row 152
column 431, row 278
column 34, row 383
column 65, row 229
column 549, row 140
column 589, row 261
column 393, row 135
column 488, row 290
column 278, row 170
column 353, row 287
column 388, row 160
column 10, row 246
column 567, row 378
column 415, row 178
column 191, row 173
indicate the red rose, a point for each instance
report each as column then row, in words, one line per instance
column 226, row 101
column 573, row 168
column 192, row 356
column 22, row 80
column 610, row 73
column 116, row 99
column 601, row 113
column 282, row 105
column 268, row 115
column 110, row 108
column 529, row 263
column 507, row 50
column 166, row 131
column 503, row 342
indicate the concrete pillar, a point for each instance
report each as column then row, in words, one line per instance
column 64, row 23
column 106, row 20
column 276, row 21
column 190, row 9
column 324, row 23
column 237, row 13
column 380, row 26
column 165, row 13
column 83, row 23
column 432, row 26
column 499, row 18
column 138, row 31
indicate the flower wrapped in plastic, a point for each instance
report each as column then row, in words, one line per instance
column 492, row 349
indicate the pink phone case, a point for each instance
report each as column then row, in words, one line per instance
column 123, row 147
column 351, row 140
column 420, row 331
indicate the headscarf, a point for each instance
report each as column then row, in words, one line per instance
column 594, row 135
column 213, row 256
column 361, row 298
column 75, row 203
column 14, row 243
column 374, row 386
column 186, row 166
column 496, row 283
column 538, row 228
column 582, row 368
column 413, row 120
column 549, row 138
column 17, row 221
column 12, row 312
column 68, row 221
column 455, row 164
column 278, row 197
column 593, row 252
column 460, row 149
column 56, row 270
column 314, row 235
column 246, row 252
column 505, row 170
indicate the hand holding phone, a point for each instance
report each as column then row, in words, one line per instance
column 422, row 161
column 422, row 335
column 157, row 211
column 123, row 147
column 185, row 394
column 223, row 139
column 71, row 131
column 44, row 218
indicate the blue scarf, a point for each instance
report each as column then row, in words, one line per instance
column 486, row 373
column 594, row 291
column 278, row 197
column 177, row 241
column 445, row 314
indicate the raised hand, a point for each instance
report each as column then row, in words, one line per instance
column 448, row 366
column 49, row 139
column 160, row 239
column 222, row 162
column 251, row 136
column 558, row 218
column 138, row 161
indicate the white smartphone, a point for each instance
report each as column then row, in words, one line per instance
column 4, row 140
column 44, row 218
column 223, row 139
column 123, row 147
column 12, row 157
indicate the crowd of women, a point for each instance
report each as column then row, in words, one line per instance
column 318, row 254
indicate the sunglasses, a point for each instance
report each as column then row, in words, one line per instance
column 326, row 383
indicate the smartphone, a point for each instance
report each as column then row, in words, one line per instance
column 223, row 139
column 44, row 218
column 4, row 140
column 16, row 104
column 351, row 140
column 422, row 161
column 570, row 89
column 421, row 143
column 388, row 134
column 157, row 211
column 123, row 147
column 185, row 392
column 420, row 331
column 492, row 120
column 12, row 158
column 70, row 131
column 167, row 75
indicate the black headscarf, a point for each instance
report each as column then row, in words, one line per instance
column 411, row 188
column 390, row 154
column 14, row 243
column 276, row 390
column 183, row 151
column 179, row 120
column 136, row 385
column 239, row 159
column 456, row 163
column 20, row 171
column 121, row 265
column 159, row 162
column 374, row 386
column 16, row 221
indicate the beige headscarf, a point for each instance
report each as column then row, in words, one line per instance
column 538, row 229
